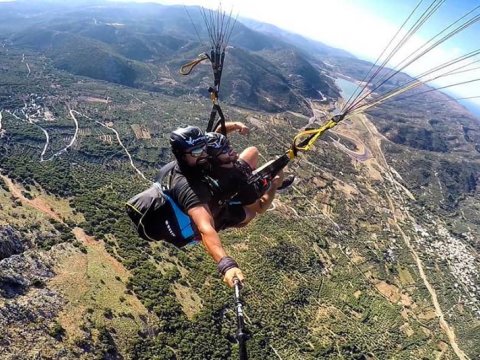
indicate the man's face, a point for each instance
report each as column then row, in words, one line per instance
column 196, row 156
column 227, row 157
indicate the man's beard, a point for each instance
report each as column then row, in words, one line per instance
column 202, row 162
column 230, row 160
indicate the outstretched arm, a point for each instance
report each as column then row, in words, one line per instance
column 203, row 220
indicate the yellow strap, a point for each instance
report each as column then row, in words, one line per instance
column 188, row 67
column 317, row 133
column 291, row 154
column 213, row 97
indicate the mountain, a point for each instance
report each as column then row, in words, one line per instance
column 108, row 43
column 313, row 47
column 375, row 244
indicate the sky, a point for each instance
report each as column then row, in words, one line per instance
column 365, row 27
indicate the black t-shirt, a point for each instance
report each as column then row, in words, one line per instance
column 224, row 190
column 189, row 190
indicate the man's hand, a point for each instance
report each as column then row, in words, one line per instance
column 277, row 180
column 231, row 274
column 242, row 128
column 232, row 126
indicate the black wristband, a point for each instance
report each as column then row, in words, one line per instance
column 226, row 263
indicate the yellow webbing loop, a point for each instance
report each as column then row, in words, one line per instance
column 316, row 132
column 188, row 67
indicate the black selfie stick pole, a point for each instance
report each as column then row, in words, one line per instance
column 241, row 335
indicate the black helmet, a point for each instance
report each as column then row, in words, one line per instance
column 186, row 139
column 216, row 142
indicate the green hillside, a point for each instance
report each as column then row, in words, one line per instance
column 375, row 241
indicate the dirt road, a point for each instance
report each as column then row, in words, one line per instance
column 405, row 214
column 36, row 203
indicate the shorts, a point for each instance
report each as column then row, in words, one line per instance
column 248, row 192
column 243, row 167
column 231, row 215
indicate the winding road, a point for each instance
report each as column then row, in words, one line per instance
column 70, row 144
column 45, row 147
column 72, row 112
column 433, row 294
column 36, row 203
column 26, row 64
column 366, row 153
column 30, row 121
column 118, row 139
column 363, row 154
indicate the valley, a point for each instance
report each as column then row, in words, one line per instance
column 372, row 254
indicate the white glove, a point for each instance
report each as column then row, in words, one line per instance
column 231, row 274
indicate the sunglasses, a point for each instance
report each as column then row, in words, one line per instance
column 197, row 152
